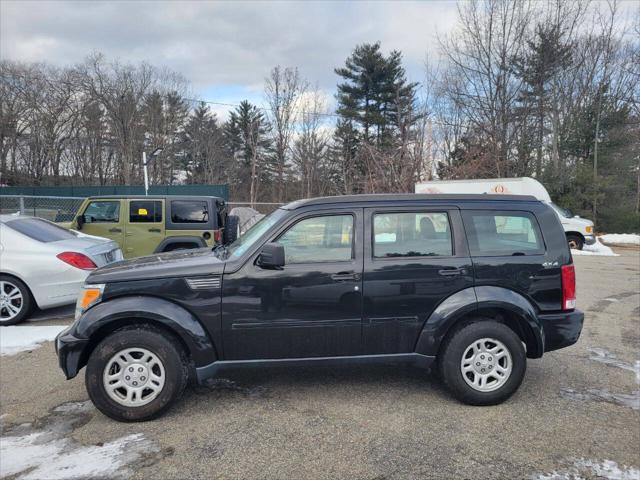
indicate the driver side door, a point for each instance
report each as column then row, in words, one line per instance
column 312, row 307
column 103, row 218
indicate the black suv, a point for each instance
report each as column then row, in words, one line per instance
column 476, row 283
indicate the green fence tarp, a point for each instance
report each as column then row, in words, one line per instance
column 90, row 191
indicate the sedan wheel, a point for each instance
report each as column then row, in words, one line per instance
column 15, row 301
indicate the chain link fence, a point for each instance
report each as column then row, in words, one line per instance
column 63, row 209
column 55, row 209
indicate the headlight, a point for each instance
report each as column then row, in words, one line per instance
column 589, row 228
column 89, row 295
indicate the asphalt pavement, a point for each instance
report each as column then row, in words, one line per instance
column 576, row 413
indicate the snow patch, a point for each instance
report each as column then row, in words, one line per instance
column 604, row 356
column 17, row 339
column 621, row 238
column 49, row 452
column 595, row 249
column 631, row 400
column 585, row 468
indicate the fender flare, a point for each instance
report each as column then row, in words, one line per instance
column 180, row 239
column 471, row 299
column 121, row 311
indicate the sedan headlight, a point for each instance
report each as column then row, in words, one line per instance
column 89, row 296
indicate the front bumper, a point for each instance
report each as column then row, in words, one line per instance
column 70, row 351
column 589, row 239
column 561, row 329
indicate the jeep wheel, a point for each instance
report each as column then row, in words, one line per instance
column 15, row 300
column 575, row 242
column 135, row 374
column 483, row 363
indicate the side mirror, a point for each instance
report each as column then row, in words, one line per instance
column 80, row 221
column 271, row 256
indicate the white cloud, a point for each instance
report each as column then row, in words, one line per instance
column 222, row 43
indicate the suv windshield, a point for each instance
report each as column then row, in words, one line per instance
column 564, row 212
column 251, row 236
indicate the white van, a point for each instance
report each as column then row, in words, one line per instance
column 578, row 230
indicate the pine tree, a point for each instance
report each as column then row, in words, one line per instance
column 246, row 134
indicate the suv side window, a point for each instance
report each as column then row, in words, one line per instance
column 102, row 212
column 502, row 233
column 319, row 239
column 145, row 211
column 411, row 234
column 189, row 211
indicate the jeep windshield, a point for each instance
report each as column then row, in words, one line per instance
column 251, row 236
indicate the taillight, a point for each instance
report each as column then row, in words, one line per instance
column 568, row 287
column 77, row 260
column 216, row 236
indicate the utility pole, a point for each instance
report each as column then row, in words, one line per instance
column 145, row 163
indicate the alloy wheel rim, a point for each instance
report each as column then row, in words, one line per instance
column 11, row 301
column 486, row 365
column 134, row 377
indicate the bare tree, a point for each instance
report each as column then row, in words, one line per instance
column 283, row 90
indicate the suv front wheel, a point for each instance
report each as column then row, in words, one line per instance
column 136, row 373
column 483, row 363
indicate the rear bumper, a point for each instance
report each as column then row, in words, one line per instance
column 69, row 350
column 561, row 329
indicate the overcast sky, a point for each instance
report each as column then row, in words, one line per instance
column 225, row 49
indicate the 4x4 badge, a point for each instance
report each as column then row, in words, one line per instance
column 550, row 264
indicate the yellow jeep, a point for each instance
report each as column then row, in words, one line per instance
column 143, row 225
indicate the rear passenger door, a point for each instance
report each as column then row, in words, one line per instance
column 145, row 227
column 414, row 258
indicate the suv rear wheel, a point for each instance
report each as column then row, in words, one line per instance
column 483, row 363
column 135, row 374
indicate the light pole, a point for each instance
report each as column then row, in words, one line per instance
column 152, row 157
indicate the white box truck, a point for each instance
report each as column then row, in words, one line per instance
column 578, row 230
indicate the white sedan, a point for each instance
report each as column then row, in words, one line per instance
column 45, row 265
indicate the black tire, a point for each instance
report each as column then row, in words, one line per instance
column 575, row 242
column 231, row 229
column 25, row 304
column 168, row 351
column 453, row 351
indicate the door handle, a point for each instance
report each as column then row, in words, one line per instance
column 115, row 230
column 451, row 272
column 344, row 276
column 156, row 230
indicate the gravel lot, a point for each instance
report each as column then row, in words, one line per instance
column 577, row 412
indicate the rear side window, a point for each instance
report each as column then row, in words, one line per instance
column 40, row 230
column 189, row 211
column 411, row 234
column 502, row 233
column 145, row 211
